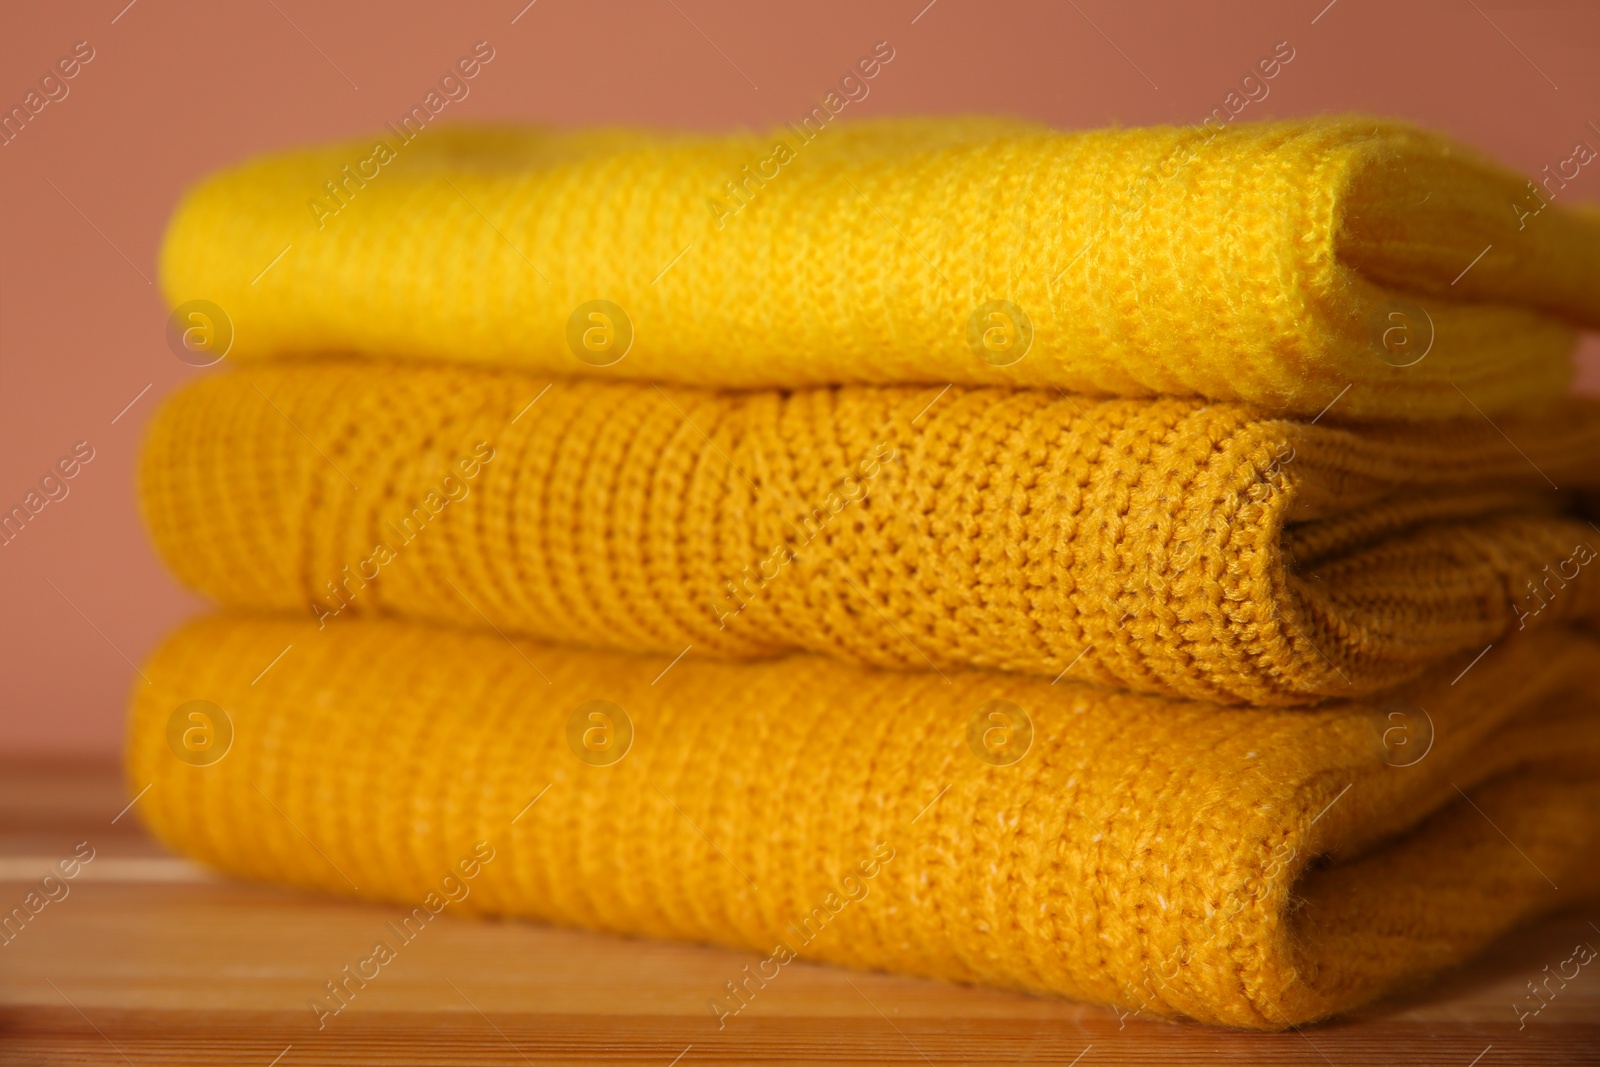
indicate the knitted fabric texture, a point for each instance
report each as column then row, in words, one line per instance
column 1165, row 546
column 1273, row 263
column 1251, row 867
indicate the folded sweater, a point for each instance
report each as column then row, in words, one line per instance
column 1166, row 546
column 1251, row 867
column 1275, row 263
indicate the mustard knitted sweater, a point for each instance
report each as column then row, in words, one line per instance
column 1166, row 546
column 1274, row 263
column 1251, row 867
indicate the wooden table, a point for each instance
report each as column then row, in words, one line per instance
column 148, row 959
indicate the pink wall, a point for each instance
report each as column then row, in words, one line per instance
column 178, row 87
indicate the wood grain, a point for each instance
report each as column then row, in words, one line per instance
column 150, row 960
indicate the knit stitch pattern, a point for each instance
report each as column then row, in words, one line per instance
column 1274, row 263
column 1166, row 546
column 1251, row 867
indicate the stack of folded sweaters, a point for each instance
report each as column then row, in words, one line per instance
column 1147, row 566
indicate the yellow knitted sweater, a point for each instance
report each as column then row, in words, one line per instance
column 1273, row 263
column 1251, row 867
column 1166, row 546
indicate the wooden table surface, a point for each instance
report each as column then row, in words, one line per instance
column 148, row 959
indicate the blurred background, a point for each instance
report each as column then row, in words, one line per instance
column 163, row 91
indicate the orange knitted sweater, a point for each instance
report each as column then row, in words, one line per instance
column 1166, row 546
column 1251, row 867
